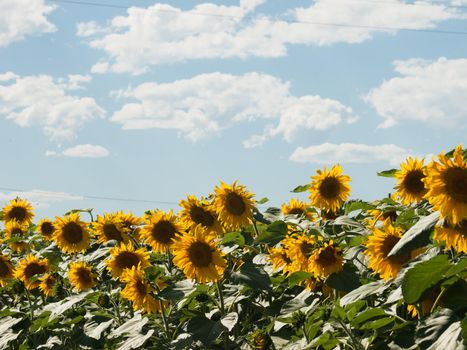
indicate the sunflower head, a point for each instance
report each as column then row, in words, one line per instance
column 6, row 269
column 300, row 248
column 46, row 228
column 329, row 189
column 48, row 285
column 30, row 269
column 14, row 231
column 234, row 205
column 326, row 260
column 19, row 210
column 71, row 234
column 295, row 207
column 410, row 187
column 280, row 260
column 198, row 256
column 110, row 227
column 377, row 215
column 125, row 257
column 198, row 212
column 161, row 229
column 446, row 181
column 81, row 275
column 260, row 340
column 453, row 236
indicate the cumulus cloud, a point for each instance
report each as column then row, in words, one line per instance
column 43, row 101
column 39, row 198
column 208, row 103
column 431, row 92
column 81, row 151
column 162, row 33
column 20, row 18
column 331, row 153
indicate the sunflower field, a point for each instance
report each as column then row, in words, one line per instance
column 328, row 273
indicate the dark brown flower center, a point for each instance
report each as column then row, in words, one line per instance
column 392, row 215
column 235, row 204
column 18, row 213
column 84, row 277
column 47, row 228
column 389, row 243
column 163, row 232
column 296, row 211
column 4, row 269
column 126, row 260
column 141, row 288
column 306, row 248
column 49, row 282
column 34, row 269
column 17, row 232
column 286, row 258
column 111, row 232
column 326, row 257
column 72, row 233
column 200, row 254
column 413, row 183
column 456, row 183
column 201, row 216
column 330, row 188
column 462, row 228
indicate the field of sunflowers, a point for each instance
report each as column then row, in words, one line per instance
column 329, row 273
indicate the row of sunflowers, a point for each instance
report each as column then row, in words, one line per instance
column 330, row 273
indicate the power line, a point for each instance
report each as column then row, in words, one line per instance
column 347, row 25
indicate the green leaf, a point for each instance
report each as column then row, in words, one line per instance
column 263, row 200
column 136, row 341
column 431, row 331
column 417, row 236
column 252, row 276
column 376, row 324
column 344, row 281
column 273, row 234
column 367, row 315
column 388, row 173
column 95, row 329
column 204, row 329
column 230, row 320
column 233, row 238
column 298, row 276
column 301, row 188
column 422, row 277
column 364, row 291
column 358, row 205
column 464, row 329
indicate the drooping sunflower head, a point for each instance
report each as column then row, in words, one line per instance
column 280, row 260
column 379, row 244
column 326, row 260
column 260, row 340
column 410, row 187
column 198, row 212
column 48, row 285
column 300, row 248
column 46, row 228
column 295, row 207
column 6, row 269
column 125, row 257
column 81, row 275
column 15, row 231
column 453, row 236
column 30, row 267
column 329, row 189
column 234, row 205
column 446, row 181
column 139, row 291
column 110, row 227
column 71, row 234
column 161, row 229
column 19, row 210
column 377, row 215
column 198, row 256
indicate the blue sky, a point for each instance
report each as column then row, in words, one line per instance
column 166, row 99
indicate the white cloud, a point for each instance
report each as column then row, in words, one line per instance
column 331, row 153
column 209, row 103
column 81, row 151
column 431, row 92
column 43, row 101
column 163, row 33
column 39, row 198
column 19, row 18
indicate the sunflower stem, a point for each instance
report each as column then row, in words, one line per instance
column 164, row 319
column 438, row 299
column 221, row 297
column 31, row 308
column 169, row 260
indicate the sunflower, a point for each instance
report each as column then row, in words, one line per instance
column 139, row 291
column 125, row 257
column 295, row 207
column 46, row 228
column 326, row 260
column 300, row 248
column 447, row 186
column 454, row 236
column 234, row 205
column 160, row 230
column 6, row 269
column 410, row 187
column 377, row 215
column 129, row 221
column 30, row 267
column 110, row 227
column 48, row 285
column 329, row 189
column 15, row 230
column 198, row 257
column 71, row 234
column 81, row 276
column 197, row 212
column 280, row 260
column 19, row 210
column 379, row 244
